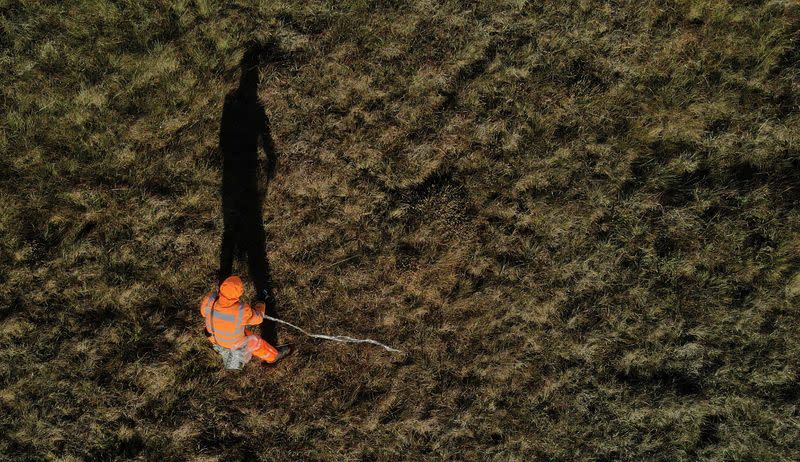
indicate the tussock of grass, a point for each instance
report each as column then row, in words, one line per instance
column 578, row 218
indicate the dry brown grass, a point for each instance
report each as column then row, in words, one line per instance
column 578, row 218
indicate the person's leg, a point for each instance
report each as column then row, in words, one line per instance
column 262, row 350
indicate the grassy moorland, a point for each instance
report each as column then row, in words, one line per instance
column 578, row 218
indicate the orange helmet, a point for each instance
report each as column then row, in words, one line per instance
column 231, row 288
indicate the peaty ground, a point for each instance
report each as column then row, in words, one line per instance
column 578, row 219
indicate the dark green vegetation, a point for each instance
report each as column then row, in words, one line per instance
column 580, row 221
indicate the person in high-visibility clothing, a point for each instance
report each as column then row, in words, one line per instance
column 226, row 320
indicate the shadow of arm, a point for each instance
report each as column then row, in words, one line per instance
column 267, row 144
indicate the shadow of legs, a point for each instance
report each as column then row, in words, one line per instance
column 226, row 252
column 258, row 266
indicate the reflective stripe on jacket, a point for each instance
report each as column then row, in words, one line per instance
column 226, row 323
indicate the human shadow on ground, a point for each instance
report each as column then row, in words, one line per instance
column 245, row 178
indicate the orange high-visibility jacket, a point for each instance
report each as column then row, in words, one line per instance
column 226, row 323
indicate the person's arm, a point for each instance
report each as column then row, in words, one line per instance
column 253, row 316
column 205, row 304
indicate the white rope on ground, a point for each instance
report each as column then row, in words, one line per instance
column 335, row 338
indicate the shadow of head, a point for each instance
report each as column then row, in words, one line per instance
column 255, row 54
